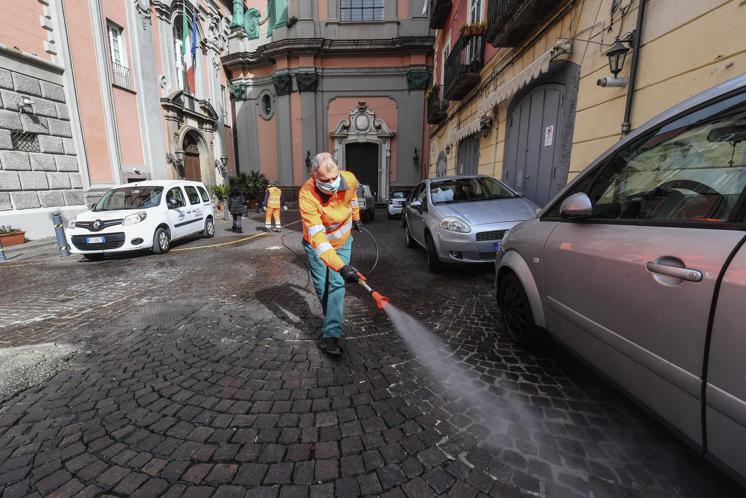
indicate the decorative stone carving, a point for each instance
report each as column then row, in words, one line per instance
column 251, row 22
column 143, row 10
column 307, row 82
column 418, row 79
column 283, row 84
column 238, row 14
column 238, row 91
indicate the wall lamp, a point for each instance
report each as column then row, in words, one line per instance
column 617, row 55
column 416, row 157
column 26, row 105
column 177, row 160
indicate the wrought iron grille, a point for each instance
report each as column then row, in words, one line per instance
column 121, row 75
column 437, row 105
column 463, row 66
column 25, row 142
column 439, row 10
column 509, row 22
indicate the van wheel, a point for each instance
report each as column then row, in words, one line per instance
column 517, row 317
column 433, row 262
column 209, row 231
column 161, row 241
column 408, row 238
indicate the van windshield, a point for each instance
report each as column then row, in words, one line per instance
column 129, row 198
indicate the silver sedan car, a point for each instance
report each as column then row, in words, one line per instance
column 639, row 266
column 461, row 219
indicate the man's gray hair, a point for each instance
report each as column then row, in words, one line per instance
column 322, row 159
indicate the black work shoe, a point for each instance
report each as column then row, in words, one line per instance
column 331, row 346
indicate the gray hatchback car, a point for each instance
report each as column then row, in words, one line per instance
column 639, row 267
column 461, row 219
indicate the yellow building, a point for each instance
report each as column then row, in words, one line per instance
column 516, row 90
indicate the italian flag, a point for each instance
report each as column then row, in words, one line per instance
column 188, row 55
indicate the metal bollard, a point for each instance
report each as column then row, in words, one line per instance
column 59, row 232
column 2, row 252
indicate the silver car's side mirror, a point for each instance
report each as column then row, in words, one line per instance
column 416, row 204
column 576, row 206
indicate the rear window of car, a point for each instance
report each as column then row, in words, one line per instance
column 203, row 193
column 192, row 194
column 401, row 194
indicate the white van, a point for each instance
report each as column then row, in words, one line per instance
column 142, row 215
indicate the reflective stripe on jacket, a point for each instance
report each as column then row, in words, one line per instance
column 273, row 198
column 327, row 219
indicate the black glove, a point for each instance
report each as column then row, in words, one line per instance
column 357, row 225
column 349, row 273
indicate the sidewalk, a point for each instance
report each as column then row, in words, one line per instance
column 42, row 249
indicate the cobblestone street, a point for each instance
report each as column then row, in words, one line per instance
column 197, row 373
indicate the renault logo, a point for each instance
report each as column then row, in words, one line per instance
column 97, row 225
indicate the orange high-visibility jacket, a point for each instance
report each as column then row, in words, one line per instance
column 273, row 198
column 327, row 219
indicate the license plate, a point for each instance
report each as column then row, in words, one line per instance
column 95, row 240
column 497, row 247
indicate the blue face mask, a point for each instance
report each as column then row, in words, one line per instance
column 329, row 187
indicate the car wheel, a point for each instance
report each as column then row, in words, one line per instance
column 408, row 238
column 161, row 241
column 517, row 317
column 433, row 262
column 209, row 231
column 93, row 257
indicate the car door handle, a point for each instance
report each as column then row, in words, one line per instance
column 673, row 271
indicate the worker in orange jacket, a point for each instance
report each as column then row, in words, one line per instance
column 329, row 210
column 272, row 203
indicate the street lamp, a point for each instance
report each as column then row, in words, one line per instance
column 617, row 54
column 224, row 161
column 180, row 156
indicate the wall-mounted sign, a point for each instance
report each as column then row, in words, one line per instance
column 548, row 135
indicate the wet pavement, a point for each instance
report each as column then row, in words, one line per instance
column 197, row 374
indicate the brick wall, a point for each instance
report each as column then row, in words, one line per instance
column 47, row 178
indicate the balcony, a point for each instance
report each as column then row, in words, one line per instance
column 463, row 66
column 437, row 106
column 120, row 75
column 439, row 10
column 511, row 21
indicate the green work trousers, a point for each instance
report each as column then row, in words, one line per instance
column 330, row 287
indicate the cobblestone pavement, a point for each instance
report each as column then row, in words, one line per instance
column 198, row 374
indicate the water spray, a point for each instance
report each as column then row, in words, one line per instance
column 380, row 299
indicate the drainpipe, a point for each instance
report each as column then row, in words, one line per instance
column 636, row 41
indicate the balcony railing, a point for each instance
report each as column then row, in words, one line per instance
column 511, row 21
column 437, row 106
column 463, row 66
column 121, row 75
column 439, row 10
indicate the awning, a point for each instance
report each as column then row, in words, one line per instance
column 507, row 90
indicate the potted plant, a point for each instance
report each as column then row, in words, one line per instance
column 221, row 192
column 474, row 29
column 252, row 186
column 10, row 236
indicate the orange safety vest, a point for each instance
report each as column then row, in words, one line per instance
column 327, row 219
column 274, row 198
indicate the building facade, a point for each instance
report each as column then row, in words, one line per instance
column 98, row 93
column 516, row 91
column 335, row 75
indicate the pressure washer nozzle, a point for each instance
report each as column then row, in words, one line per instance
column 381, row 301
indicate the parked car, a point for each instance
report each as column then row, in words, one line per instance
column 461, row 219
column 367, row 202
column 143, row 215
column 639, row 266
column 397, row 198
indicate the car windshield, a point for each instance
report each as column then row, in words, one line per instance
column 481, row 188
column 399, row 195
column 129, row 198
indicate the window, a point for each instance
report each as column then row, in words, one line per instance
column 421, row 195
column 265, row 106
column 184, row 61
column 193, row 195
column 690, row 170
column 203, row 193
column 475, row 11
column 175, row 198
column 362, row 10
column 223, row 104
column 129, row 198
column 446, row 53
column 120, row 71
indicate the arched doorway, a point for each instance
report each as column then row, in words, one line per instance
column 191, row 158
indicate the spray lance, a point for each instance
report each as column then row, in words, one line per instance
column 381, row 300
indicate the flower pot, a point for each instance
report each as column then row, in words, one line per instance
column 13, row 239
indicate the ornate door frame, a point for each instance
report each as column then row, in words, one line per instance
column 362, row 126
